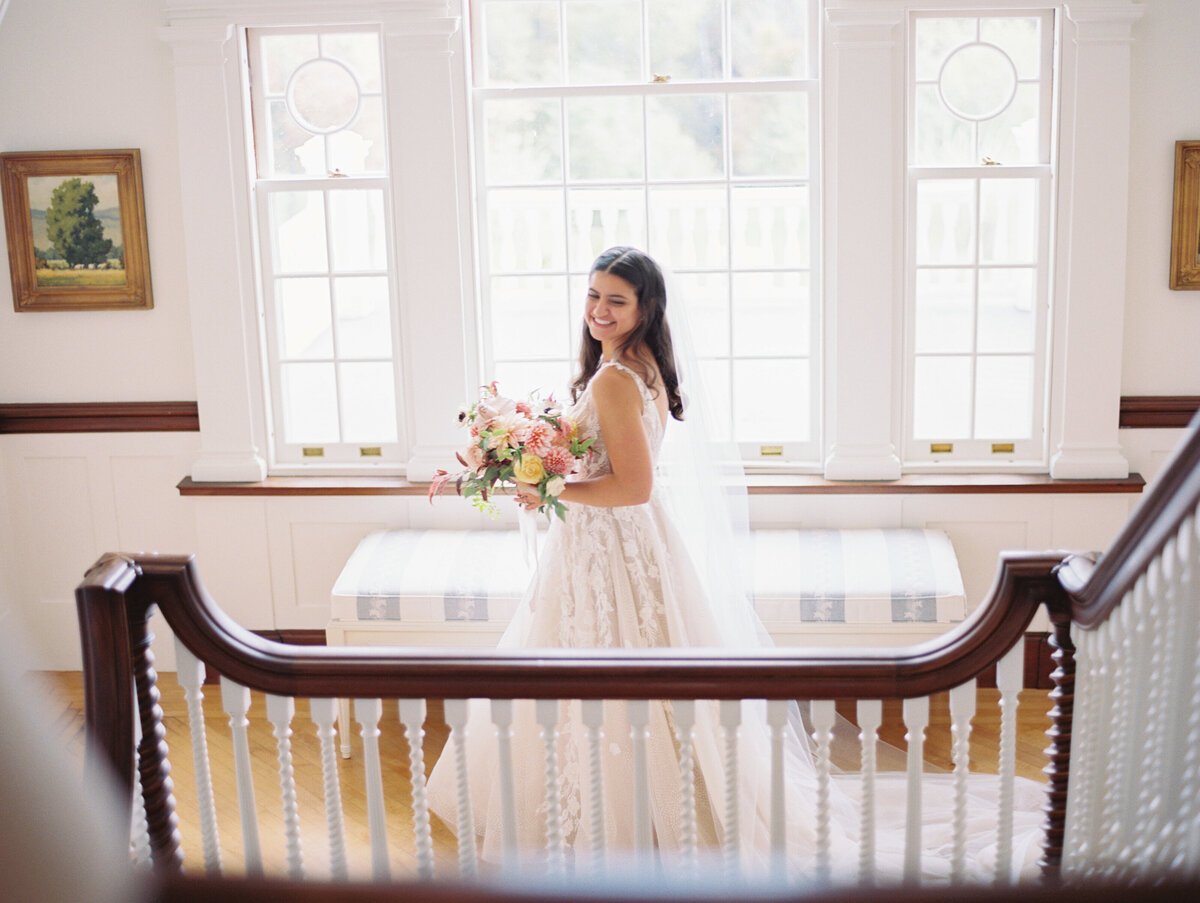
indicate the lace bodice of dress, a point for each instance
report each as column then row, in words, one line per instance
column 583, row 413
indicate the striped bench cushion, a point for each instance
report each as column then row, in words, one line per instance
column 835, row 576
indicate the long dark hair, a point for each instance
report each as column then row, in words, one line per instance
column 651, row 338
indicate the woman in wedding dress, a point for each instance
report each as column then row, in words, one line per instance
column 617, row 573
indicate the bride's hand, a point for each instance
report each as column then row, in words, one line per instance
column 528, row 496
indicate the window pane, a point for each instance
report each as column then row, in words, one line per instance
column 687, row 136
column 685, row 39
column 942, row 398
column 715, row 374
column 946, row 221
column 770, row 227
column 368, row 402
column 1007, row 313
column 772, row 401
column 600, row 218
column 936, row 38
column 358, row 52
column 688, row 226
column 769, row 38
column 1008, row 221
column 977, row 81
column 517, row 379
column 525, row 230
column 604, row 42
column 769, row 134
column 522, row 43
column 357, row 227
column 771, row 314
column 281, row 54
column 1020, row 38
column 322, row 95
column 523, row 141
column 945, row 306
column 605, row 139
column 298, row 231
column 364, row 326
column 304, row 319
column 529, row 316
column 941, row 137
column 1004, row 406
column 706, row 299
column 309, row 403
column 1013, row 136
column 292, row 149
column 360, row 148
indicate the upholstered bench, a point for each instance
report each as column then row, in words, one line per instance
column 882, row 587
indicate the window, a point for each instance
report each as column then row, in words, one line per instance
column 686, row 127
column 321, row 204
column 979, row 217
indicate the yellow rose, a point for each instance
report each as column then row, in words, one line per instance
column 529, row 469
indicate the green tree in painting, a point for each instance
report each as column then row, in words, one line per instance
column 72, row 227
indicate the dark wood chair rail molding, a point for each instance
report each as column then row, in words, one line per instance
column 101, row 417
column 1157, row 411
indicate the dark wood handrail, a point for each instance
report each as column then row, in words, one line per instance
column 120, row 593
column 1096, row 591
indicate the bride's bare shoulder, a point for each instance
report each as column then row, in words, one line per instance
column 615, row 386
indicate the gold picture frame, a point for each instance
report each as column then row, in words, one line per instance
column 76, row 226
column 1185, row 220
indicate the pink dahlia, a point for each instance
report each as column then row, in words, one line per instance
column 539, row 437
column 558, row 460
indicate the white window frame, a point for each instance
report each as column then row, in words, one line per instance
column 766, row 453
column 1005, row 452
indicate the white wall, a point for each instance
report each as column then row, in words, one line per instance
column 93, row 76
column 105, row 81
column 1161, row 326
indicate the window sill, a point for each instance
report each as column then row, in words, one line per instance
column 773, row 484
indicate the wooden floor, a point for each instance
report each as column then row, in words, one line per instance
column 65, row 689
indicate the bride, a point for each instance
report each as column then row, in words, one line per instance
column 617, row 573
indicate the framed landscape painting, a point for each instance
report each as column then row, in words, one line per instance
column 76, row 227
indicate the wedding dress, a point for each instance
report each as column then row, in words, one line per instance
column 623, row 578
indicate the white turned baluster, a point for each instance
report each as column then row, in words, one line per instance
column 189, row 671
column 502, row 718
column 280, row 711
column 638, row 713
column 684, row 711
column 1190, row 811
column 324, row 715
column 1109, row 809
column 731, row 718
column 1150, row 765
column 916, row 720
column 1090, row 687
column 139, row 828
column 456, row 719
column 235, row 699
column 824, row 713
column 1180, row 665
column 962, row 710
column 344, row 719
column 412, row 716
column 1142, row 646
column 368, row 712
column 547, row 719
column 1010, row 673
column 870, row 717
column 777, row 720
column 593, row 720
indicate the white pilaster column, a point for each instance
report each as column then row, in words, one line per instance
column 1093, row 208
column 220, row 289
column 432, row 230
column 864, row 154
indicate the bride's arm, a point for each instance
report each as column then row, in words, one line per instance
column 619, row 406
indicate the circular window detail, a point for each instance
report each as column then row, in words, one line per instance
column 978, row 81
column 323, row 96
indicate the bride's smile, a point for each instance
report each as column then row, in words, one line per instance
column 612, row 309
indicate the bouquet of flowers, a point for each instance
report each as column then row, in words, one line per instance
column 527, row 441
